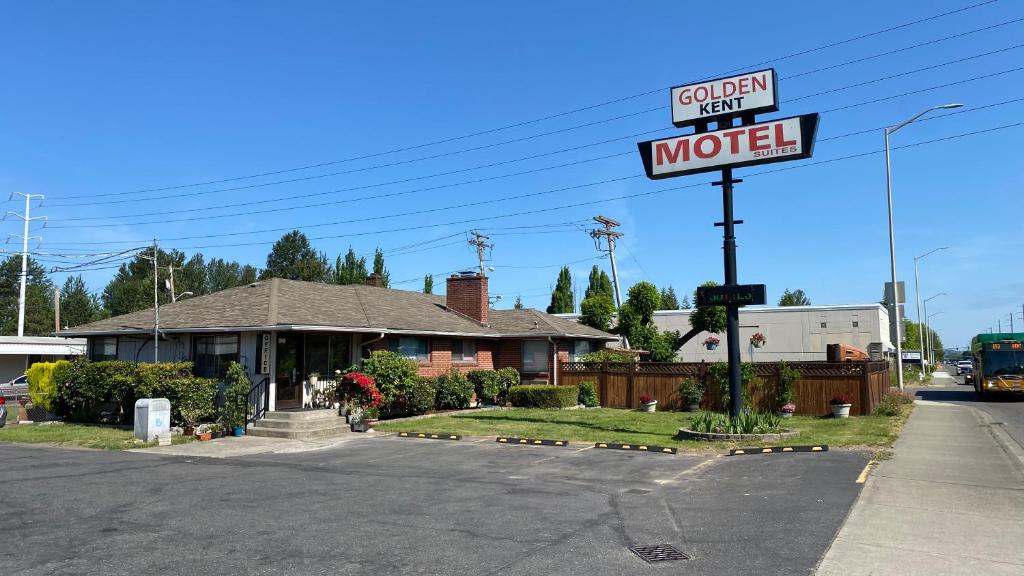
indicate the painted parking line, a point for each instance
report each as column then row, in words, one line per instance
column 530, row 441
column 636, row 447
column 778, row 450
column 429, row 436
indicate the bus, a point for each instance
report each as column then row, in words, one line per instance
column 998, row 363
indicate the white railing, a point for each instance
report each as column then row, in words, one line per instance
column 321, row 391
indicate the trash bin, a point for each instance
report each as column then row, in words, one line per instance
column 152, row 418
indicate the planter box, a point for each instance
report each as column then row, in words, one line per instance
column 687, row 434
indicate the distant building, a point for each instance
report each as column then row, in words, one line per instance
column 17, row 353
column 791, row 332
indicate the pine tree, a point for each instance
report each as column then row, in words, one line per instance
column 668, row 299
column 561, row 298
column 351, row 270
column 378, row 268
column 684, row 304
column 428, row 284
column 794, row 298
column 77, row 306
column 519, row 303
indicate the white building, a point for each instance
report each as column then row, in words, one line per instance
column 791, row 332
column 17, row 353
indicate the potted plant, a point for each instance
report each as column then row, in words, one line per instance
column 841, row 406
column 371, row 416
column 204, row 432
column 786, row 391
column 216, row 431
column 787, row 410
column 648, row 403
column 314, row 377
column 711, row 342
column 690, row 393
column 757, row 340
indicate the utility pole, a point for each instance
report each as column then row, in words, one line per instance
column 610, row 235
column 56, row 310
column 27, row 219
column 481, row 243
column 170, row 273
column 156, row 306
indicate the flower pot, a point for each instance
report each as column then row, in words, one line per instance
column 758, row 343
column 649, row 406
column 841, row 410
column 785, row 414
column 188, row 431
column 205, row 436
column 371, row 422
column 238, row 431
column 711, row 346
column 217, row 434
column 692, row 407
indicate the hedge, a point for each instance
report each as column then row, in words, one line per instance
column 41, row 387
column 486, row 384
column 543, row 396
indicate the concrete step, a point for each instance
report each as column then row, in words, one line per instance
column 319, row 433
column 310, row 424
column 293, row 415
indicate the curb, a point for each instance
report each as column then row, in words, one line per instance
column 1010, row 446
column 530, row 441
column 428, row 436
column 637, row 447
column 778, row 450
column 687, row 434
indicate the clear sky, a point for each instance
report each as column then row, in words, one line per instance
column 105, row 99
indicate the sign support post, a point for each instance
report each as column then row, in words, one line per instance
column 732, row 310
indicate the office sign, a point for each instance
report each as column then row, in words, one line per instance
column 740, row 295
column 731, row 97
column 264, row 360
column 762, row 143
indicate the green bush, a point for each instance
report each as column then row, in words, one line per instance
column 454, row 391
column 393, row 373
column 236, row 397
column 421, row 397
column 609, row 355
column 195, row 399
column 507, row 378
column 786, row 392
column 543, row 396
column 486, row 384
column 718, row 376
column 690, row 391
column 746, row 423
column 588, row 395
column 893, row 402
column 41, row 387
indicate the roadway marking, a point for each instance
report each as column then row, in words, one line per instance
column 582, row 449
column 691, row 470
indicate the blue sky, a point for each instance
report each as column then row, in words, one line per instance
column 104, row 99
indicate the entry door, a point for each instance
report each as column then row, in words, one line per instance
column 289, row 370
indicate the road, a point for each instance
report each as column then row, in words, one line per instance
column 1008, row 411
column 403, row 506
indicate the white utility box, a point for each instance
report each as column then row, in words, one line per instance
column 152, row 418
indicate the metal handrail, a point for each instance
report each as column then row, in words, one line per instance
column 254, row 408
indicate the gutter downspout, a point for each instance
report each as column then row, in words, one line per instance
column 377, row 339
column 554, row 363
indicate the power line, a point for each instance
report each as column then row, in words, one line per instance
column 573, row 111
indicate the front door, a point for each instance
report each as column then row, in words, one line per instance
column 289, row 370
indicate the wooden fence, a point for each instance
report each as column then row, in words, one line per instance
column 620, row 385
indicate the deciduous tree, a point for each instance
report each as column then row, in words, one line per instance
column 38, row 298
column 294, row 258
column 794, row 298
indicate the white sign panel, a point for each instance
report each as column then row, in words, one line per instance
column 265, row 354
column 911, row 355
column 748, row 93
column 763, row 143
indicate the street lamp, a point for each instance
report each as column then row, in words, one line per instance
column 917, row 296
column 931, row 339
column 892, row 237
column 926, row 352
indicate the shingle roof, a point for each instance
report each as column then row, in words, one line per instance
column 290, row 304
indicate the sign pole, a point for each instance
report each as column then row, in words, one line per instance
column 732, row 310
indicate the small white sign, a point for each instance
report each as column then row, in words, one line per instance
column 748, row 93
column 265, row 354
column 774, row 141
column 911, row 355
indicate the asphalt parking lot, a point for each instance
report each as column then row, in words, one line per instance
column 409, row 506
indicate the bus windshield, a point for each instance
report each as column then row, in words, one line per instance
column 1004, row 363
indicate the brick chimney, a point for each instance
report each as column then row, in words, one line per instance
column 374, row 280
column 466, row 294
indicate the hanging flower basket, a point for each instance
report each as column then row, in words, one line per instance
column 711, row 342
column 757, row 340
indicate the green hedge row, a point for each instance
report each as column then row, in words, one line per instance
column 543, row 396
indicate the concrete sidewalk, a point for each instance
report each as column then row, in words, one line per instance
column 950, row 501
column 249, row 445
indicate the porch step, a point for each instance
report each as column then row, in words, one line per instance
column 319, row 414
column 308, row 424
column 300, row 425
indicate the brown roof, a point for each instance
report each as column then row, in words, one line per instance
column 289, row 304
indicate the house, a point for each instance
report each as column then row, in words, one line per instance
column 284, row 330
column 17, row 353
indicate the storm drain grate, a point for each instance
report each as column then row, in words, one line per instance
column 652, row 553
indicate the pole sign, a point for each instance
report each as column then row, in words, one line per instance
column 734, row 96
column 763, row 143
column 740, row 295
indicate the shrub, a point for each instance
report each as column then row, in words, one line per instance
column 486, row 384
column 454, row 390
column 543, row 396
column 691, row 391
column 786, row 392
column 507, row 378
column 236, row 396
column 718, row 375
column 421, row 397
column 892, row 403
column 746, row 423
column 609, row 355
column 41, row 387
column 393, row 374
column 588, row 395
column 360, row 390
column 96, row 391
column 195, row 399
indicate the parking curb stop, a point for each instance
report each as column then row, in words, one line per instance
column 778, row 449
column 637, row 447
column 530, row 441
column 429, row 436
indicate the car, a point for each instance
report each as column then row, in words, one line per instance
column 964, row 367
column 19, row 381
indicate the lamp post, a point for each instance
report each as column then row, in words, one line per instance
column 917, row 296
column 931, row 339
column 892, row 237
column 924, row 352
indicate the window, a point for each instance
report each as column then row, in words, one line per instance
column 463, row 351
column 103, row 348
column 212, row 354
column 410, row 347
column 581, row 348
column 856, row 323
column 535, row 356
column 824, row 324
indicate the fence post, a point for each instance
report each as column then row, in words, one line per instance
column 866, row 401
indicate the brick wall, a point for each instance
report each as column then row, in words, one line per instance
column 441, row 358
column 467, row 295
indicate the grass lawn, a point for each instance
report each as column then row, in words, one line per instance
column 77, row 435
column 633, row 427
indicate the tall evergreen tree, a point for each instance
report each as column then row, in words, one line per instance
column 561, row 298
column 684, row 304
column 77, row 305
column 378, row 268
column 351, row 269
column 428, row 284
column 38, row 298
column 294, row 258
column 131, row 288
column 519, row 303
column 599, row 283
column 668, row 299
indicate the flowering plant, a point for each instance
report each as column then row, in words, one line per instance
column 757, row 337
column 359, row 389
column 841, row 399
column 646, row 399
column 789, row 408
column 712, row 339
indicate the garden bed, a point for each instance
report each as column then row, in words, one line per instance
column 686, row 434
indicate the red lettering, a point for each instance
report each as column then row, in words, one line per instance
column 734, row 140
column 757, row 135
column 744, row 85
column 728, row 89
column 663, row 152
column 685, row 97
column 700, row 96
column 761, row 83
column 780, row 138
column 698, row 146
